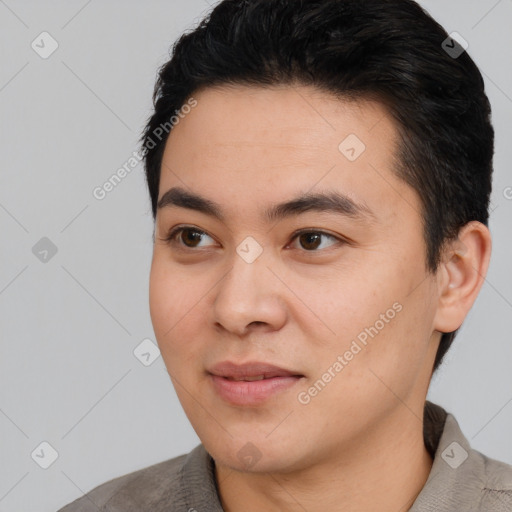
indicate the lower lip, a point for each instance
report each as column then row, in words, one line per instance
column 241, row 392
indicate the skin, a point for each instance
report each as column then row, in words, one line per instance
column 358, row 444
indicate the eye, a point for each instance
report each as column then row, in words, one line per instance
column 189, row 237
column 314, row 240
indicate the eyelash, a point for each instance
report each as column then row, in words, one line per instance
column 174, row 232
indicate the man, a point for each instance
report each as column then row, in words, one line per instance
column 320, row 174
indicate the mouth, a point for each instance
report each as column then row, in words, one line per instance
column 251, row 383
column 248, row 379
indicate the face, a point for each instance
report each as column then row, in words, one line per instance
column 288, row 291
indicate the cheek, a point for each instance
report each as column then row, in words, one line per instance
column 392, row 347
column 163, row 300
column 168, row 300
column 379, row 316
column 179, row 303
column 172, row 293
column 373, row 363
column 354, row 300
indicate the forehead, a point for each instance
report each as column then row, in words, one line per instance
column 283, row 118
column 253, row 145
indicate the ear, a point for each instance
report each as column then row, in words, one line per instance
column 461, row 274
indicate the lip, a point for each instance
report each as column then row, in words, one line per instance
column 242, row 392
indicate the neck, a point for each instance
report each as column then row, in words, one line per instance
column 382, row 470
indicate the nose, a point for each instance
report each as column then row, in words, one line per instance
column 249, row 298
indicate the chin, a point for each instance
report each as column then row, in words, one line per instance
column 255, row 454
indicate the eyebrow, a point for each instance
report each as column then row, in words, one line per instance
column 330, row 201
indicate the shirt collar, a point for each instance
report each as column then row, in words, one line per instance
column 457, row 477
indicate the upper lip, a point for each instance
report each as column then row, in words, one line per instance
column 251, row 369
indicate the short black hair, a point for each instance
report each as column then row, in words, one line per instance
column 391, row 51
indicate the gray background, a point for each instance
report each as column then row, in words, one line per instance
column 69, row 325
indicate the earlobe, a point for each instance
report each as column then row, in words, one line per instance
column 461, row 275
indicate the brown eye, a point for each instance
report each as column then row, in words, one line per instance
column 314, row 240
column 191, row 237
column 310, row 241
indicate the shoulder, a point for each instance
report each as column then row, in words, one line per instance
column 461, row 478
column 492, row 478
column 495, row 482
column 159, row 483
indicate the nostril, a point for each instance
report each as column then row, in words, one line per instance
column 257, row 322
